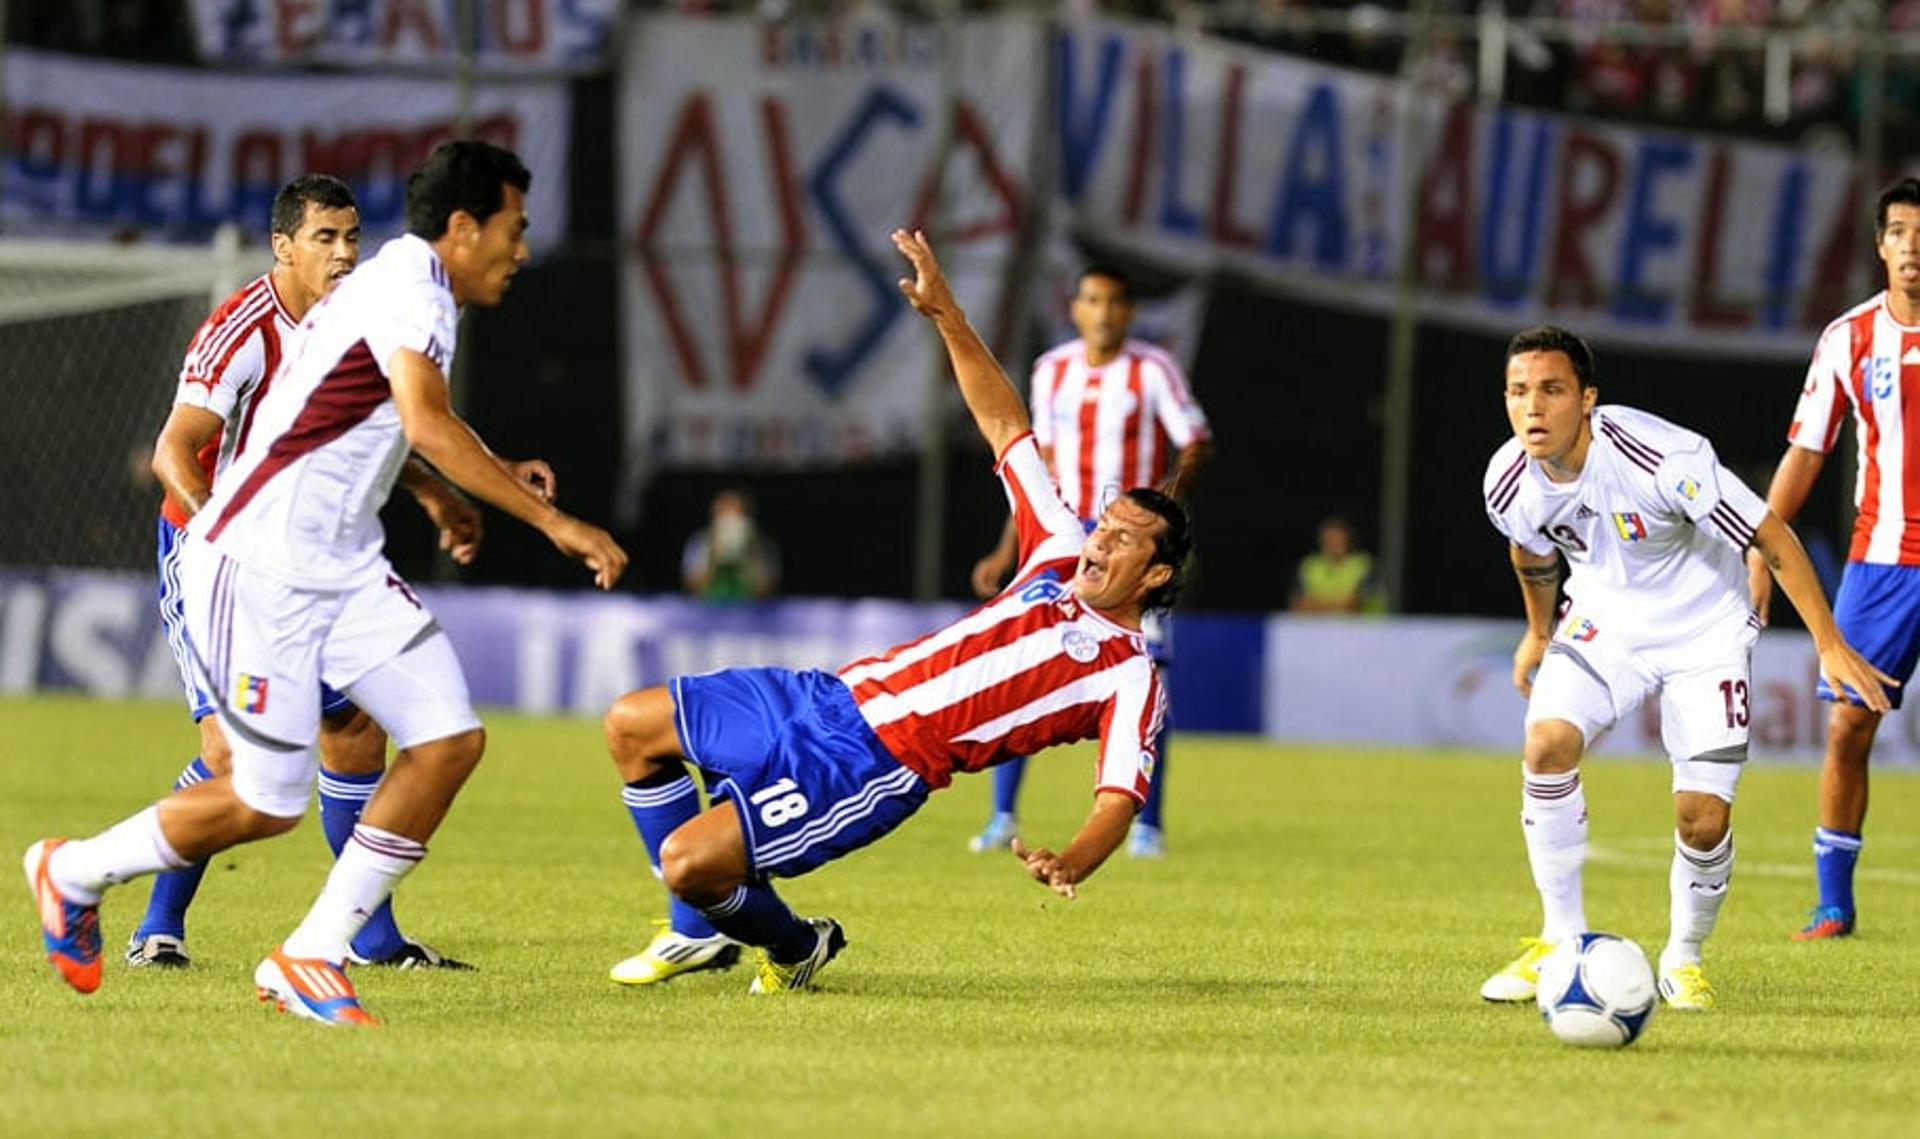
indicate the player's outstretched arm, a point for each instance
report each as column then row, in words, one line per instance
column 445, row 440
column 1539, row 576
column 1101, row 835
column 1839, row 663
column 997, row 408
column 1792, row 482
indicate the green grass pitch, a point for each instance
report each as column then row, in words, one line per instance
column 1304, row 963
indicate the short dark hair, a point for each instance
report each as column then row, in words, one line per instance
column 1553, row 338
column 1905, row 192
column 465, row 174
column 323, row 190
column 1112, row 273
column 1171, row 546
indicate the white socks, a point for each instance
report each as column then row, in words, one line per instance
column 1698, row 886
column 369, row 867
column 83, row 869
column 1553, row 818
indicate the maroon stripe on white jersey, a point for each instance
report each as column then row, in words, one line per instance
column 1507, row 486
column 1642, row 456
column 349, row 393
column 1736, row 528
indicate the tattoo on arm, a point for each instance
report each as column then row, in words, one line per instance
column 1538, row 576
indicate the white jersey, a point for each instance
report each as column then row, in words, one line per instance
column 1870, row 362
column 1654, row 531
column 302, row 502
column 1109, row 427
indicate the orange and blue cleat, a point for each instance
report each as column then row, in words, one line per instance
column 70, row 930
column 310, row 987
column 1824, row 922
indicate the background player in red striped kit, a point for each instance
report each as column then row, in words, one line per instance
column 811, row 766
column 1110, row 413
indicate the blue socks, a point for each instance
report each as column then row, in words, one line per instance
column 1834, row 855
column 659, row 805
column 1006, row 785
column 341, row 799
column 173, row 891
column 757, row 916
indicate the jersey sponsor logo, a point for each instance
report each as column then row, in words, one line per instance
column 1876, row 375
column 1584, row 512
column 250, row 693
column 1079, row 645
column 1580, row 629
column 1631, row 526
column 1041, row 589
column 1689, row 489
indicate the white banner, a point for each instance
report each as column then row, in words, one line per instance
column 1446, row 682
column 507, row 36
column 98, row 148
column 1203, row 154
column 761, row 169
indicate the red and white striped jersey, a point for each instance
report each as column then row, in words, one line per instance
column 1115, row 427
column 302, row 502
column 1868, row 360
column 229, row 364
column 1029, row 669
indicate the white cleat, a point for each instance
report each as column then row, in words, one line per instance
column 670, row 954
column 1520, row 978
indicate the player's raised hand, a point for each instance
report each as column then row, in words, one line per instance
column 535, row 475
column 592, row 545
column 1046, row 868
column 1841, row 665
column 928, row 291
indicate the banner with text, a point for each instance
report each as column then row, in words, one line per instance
column 97, row 148
column 1203, row 154
column 761, row 168
column 506, row 36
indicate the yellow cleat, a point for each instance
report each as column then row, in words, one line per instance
column 1521, row 977
column 1685, row 988
column 775, row 977
column 670, row 954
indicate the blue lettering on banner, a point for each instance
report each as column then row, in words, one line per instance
column 1506, row 278
column 1789, row 215
column 829, row 368
column 1313, row 190
column 1083, row 131
column 1647, row 233
column 1175, row 215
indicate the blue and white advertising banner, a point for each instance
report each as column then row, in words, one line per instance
column 1447, row 682
column 97, row 148
column 1204, row 154
column 506, row 36
column 761, row 169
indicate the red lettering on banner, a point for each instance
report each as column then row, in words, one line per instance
column 524, row 35
column 1443, row 234
column 257, row 160
column 298, row 25
column 39, row 139
column 415, row 14
column 693, row 140
column 1831, row 288
column 1224, row 229
column 1570, row 272
column 100, row 154
column 1709, row 310
column 1143, row 132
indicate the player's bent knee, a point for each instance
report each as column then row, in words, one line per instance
column 696, row 872
column 1553, row 746
column 1701, row 819
column 353, row 744
column 640, row 732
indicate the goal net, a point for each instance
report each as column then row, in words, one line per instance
column 91, row 338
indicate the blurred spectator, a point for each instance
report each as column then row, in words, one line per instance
column 1336, row 578
column 730, row 560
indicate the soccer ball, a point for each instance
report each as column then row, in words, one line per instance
column 1597, row 990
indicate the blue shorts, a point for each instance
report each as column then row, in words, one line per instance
column 173, row 622
column 1878, row 611
column 810, row 780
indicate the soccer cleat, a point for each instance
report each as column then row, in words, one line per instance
column 158, row 950
column 1521, row 976
column 1824, row 922
column 775, row 977
column 1146, row 841
column 71, row 931
column 1685, row 988
column 310, row 987
column 670, row 954
column 412, row 955
column 1001, row 830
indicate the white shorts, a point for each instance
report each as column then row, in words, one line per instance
column 262, row 647
column 1704, row 700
